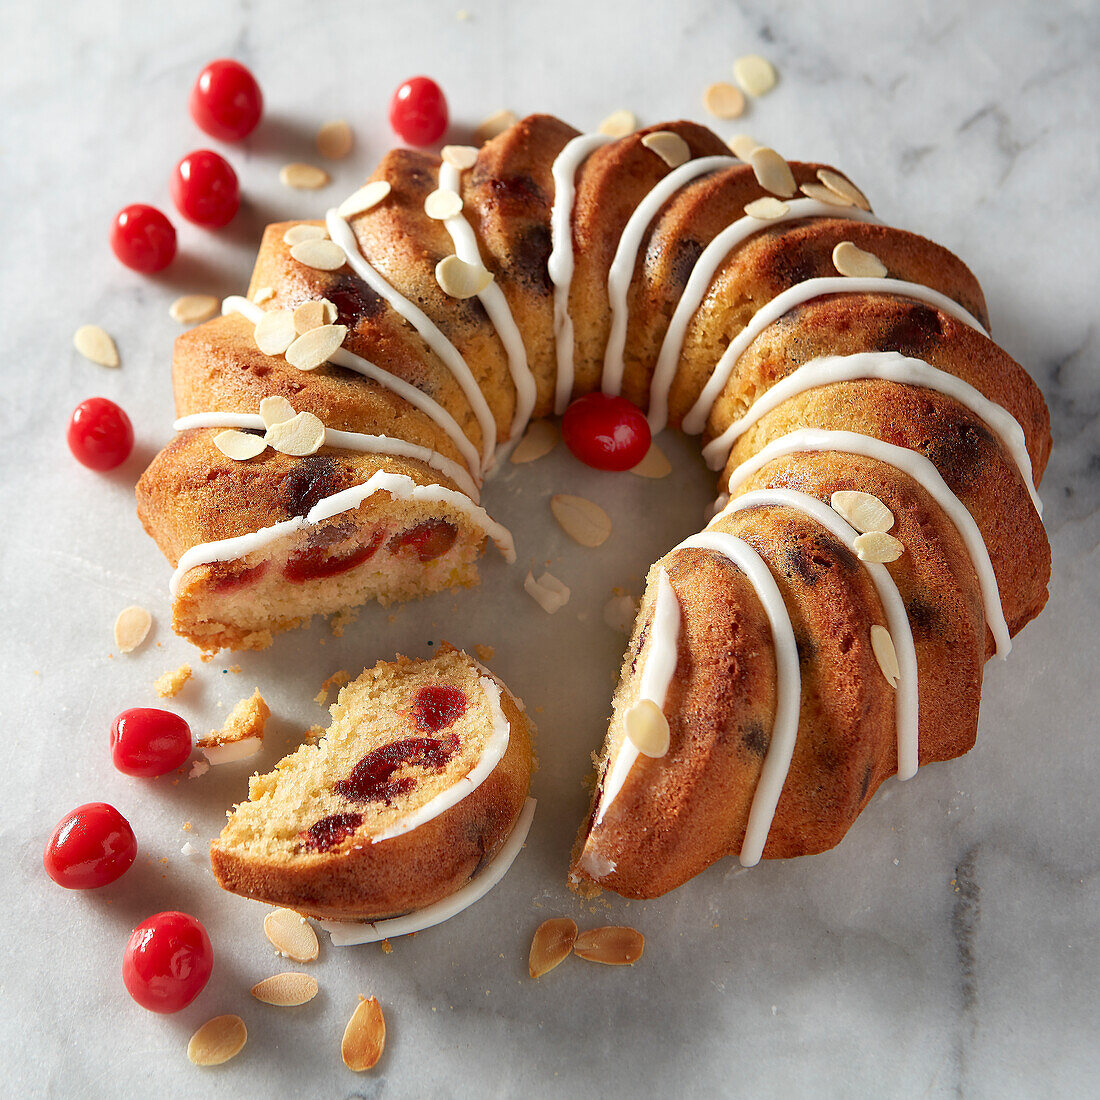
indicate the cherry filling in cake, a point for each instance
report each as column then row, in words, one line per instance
column 428, row 540
column 437, row 706
column 329, row 831
column 371, row 779
column 318, row 561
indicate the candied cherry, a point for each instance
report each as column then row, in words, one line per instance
column 205, row 189
column 608, row 433
column 418, row 111
column 91, row 847
column 167, row 962
column 143, row 238
column 147, row 742
column 226, row 102
column 100, row 434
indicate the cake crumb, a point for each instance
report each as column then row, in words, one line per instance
column 484, row 652
column 169, row 685
column 199, row 767
column 186, row 826
column 235, row 669
column 337, row 680
column 342, row 619
column 387, row 947
column 241, row 735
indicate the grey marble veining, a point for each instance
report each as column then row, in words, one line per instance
column 949, row 946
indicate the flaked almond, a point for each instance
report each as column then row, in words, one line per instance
column 724, row 100
column 495, row 124
column 334, row 139
column 772, row 172
column 275, row 410
column 852, row 261
column 459, row 279
column 864, row 511
column 654, row 465
column 459, row 156
column 331, row 312
column 320, row 254
column 217, row 1041
column 298, row 233
column 193, row 308
column 647, row 728
column 755, row 74
column 619, row 613
column 93, row 343
column 275, row 331
column 877, row 546
column 540, row 439
column 364, row 1037
column 316, row 347
column 292, row 935
column 263, row 294
column 766, row 208
column 822, row 193
column 883, row 647
column 548, row 592
column 844, row 187
column 132, row 628
column 614, row 945
column 239, row 446
column 583, row 520
column 551, row 945
column 618, row 124
column 370, row 194
column 443, row 204
column 670, row 147
column 310, row 315
column 302, row 434
column 303, row 177
column 743, row 146
column 286, row 990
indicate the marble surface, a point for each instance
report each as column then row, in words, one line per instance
column 947, row 947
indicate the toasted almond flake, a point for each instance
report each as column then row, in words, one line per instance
column 309, row 315
column 263, row 294
column 193, row 308
column 548, row 592
column 540, row 439
column 459, row 156
column 304, row 232
column 670, row 147
column 370, row 194
column 170, row 684
column 877, row 546
column 495, row 124
column 551, row 945
column 583, row 520
column 654, row 465
column 331, row 312
column 618, row 124
column 459, row 279
column 766, row 208
column 647, row 728
column 292, row 935
column 94, row 344
column 334, row 139
column 217, row 1041
column 239, row 446
column 614, row 945
column 364, row 1037
column 314, row 348
column 275, row 331
column 443, row 204
column 303, row 177
column 131, row 628
column 772, row 172
column 864, row 511
column 755, row 74
column 286, row 990
column 743, row 146
column 619, row 613
column 883, row 646
column 275, row 410
column 724, row 100
column 844, row 187
column 822, row 193
column 852, row 261
column 303, row 434
column 320, row 254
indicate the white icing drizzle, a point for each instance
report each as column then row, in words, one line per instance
column 561, row 263
column 343, row 235
column 496, row 306
column 399, row 486
column 342, row 357
column 894, row 367
column 921, row 470
column 348, row 933
column 696, row 419
column 657, row 672
column 906, row 701
column 626, row 258
column 349, row 441
column 710, row 259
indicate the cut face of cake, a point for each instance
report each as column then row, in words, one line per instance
column 414, row 787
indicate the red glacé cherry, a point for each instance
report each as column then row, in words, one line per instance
column 147, row 742
column 91, row 846
column 226, row 102
column 167, row 962
column 205, row 189
column 608, row 433
column 143, row 238
column 100, row 434
column 418, row 111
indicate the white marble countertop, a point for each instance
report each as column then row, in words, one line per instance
column 947, row 947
